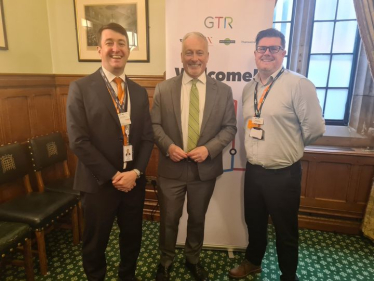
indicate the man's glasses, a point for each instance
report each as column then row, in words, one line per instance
column 272, row 49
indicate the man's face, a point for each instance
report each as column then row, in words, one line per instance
column 114, row 51
column 267, row 62
column 194, row 56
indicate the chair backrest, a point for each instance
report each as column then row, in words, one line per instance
column 47, row 150
column 14, row 163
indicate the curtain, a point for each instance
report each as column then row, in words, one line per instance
column 368, row 223
column 365, row 19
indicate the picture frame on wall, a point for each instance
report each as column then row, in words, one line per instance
column 90, row 15
column 3, row 39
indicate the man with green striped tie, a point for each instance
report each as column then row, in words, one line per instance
column 193, row 119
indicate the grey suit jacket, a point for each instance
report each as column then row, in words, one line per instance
column 95, row 133
column 218, row 127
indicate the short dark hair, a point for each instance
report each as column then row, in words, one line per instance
column 271, row 32
column 112, row 26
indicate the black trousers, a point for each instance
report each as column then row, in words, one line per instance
column 274, row 192
column 100, row 210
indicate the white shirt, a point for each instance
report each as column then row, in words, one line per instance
column 185, row 102
column 292, row 119
column 110, row 76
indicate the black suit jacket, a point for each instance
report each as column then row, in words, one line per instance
column 95, row 133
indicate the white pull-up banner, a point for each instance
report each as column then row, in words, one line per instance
column 230, row 27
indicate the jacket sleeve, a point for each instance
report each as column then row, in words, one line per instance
column 228, row 128
column 162, row 140
column 79, row 137
column 146, row 141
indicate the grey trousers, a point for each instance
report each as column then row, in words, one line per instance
column 172, row 193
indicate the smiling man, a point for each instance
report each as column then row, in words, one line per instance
column 110, row 132
column 193, row 120
column 281, row 116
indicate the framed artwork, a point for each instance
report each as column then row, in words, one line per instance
column 3, row 40
column 90, row 15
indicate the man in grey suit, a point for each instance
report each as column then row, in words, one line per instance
column 110, row 131
column 193, row 119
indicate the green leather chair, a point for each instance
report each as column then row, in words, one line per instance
column 40, row 210
column 48, row 151
column 13, row 235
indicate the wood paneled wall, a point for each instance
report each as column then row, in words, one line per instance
column 335, row 186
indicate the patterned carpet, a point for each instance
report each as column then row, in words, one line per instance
column 323, row 257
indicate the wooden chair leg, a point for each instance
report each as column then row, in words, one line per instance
column 29, row 265
column 42, row 252
column 74, row 225
column 80, row 220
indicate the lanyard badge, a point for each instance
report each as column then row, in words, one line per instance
column 124, row 118
column 256, row 133
column 254, row 124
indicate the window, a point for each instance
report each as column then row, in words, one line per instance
column 283, row 20
column 325, row 51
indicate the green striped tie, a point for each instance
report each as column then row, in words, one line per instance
column 193, row 118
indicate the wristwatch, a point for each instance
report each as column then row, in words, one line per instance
column 137, row 172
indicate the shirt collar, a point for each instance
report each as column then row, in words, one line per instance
column 110, row 76
column 258, row 80
column 187, row 78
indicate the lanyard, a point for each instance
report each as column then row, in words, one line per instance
column 120, row 107
column 258, row 105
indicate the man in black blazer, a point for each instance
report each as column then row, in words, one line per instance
column 107, row 116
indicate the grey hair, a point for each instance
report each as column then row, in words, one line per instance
column 197, row 34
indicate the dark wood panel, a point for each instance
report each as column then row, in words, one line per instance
column 331, row 181
column 26, row 80
column 61, row 103
column 16, row 116
column 44, row 114
column 362, row 194
column 337, row 189
column 2, row 123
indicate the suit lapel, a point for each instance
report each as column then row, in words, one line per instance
column 210, row 99
column 176, row 101
column 100, row 90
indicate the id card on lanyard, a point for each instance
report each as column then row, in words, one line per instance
column 254, row 124
column 124, row 118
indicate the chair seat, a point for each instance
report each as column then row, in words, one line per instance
column 12, row 233
column 37, row 209
column 64, row 186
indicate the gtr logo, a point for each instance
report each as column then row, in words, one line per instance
column 211, row 22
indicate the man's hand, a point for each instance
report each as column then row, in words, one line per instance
column 176, row 153
column 124, row 181
column 198, row 154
